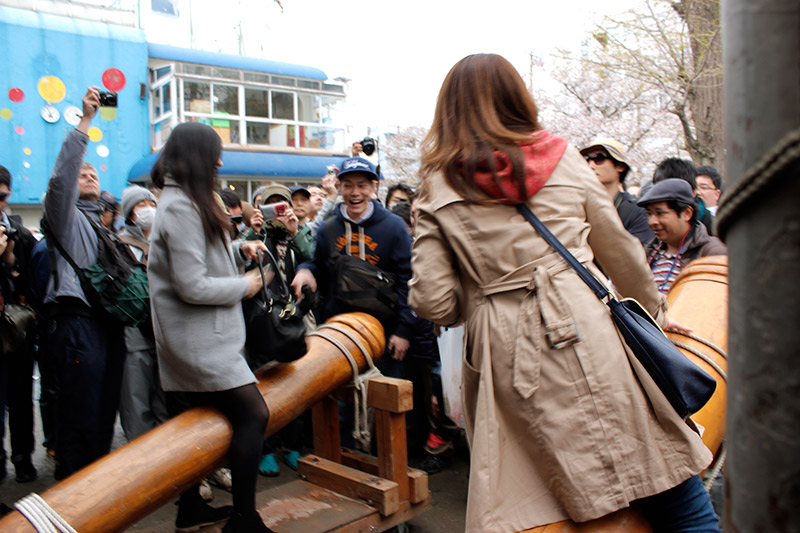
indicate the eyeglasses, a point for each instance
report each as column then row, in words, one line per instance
column 4, row 196
column 598, row 159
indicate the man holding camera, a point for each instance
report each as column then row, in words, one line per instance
column 87, row 348
column 17, row 360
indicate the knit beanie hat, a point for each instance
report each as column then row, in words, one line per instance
column 132, row 196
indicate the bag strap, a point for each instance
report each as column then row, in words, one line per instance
column 54, row 268
column 284, row 287
column 599, row 290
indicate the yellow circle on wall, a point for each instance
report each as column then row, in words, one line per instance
column 6, row 113
column 108, row 113
column 52, row 89
column 27, row 151
column 95, row 134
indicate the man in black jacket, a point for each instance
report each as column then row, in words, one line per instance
column 17, row 365
column 606, row 157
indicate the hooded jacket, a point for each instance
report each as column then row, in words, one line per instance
column 387, row 245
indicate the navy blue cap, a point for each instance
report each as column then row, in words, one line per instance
column 358, row 164
column 300, row 188
column 669, row 189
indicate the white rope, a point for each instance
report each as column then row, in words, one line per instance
column 360, row 382
column 41, row 516
column 716, row 466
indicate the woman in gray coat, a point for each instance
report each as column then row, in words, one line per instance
column 195, row 293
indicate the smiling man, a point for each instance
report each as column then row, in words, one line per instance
column 362, row 227
column 679, row 236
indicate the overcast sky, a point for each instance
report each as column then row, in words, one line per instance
column 395, row 52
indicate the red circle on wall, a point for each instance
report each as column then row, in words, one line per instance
column 114, row 79
column 16, row 95
column 103, row 168
column 20, row 130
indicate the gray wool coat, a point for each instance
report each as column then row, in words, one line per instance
column 196, row 292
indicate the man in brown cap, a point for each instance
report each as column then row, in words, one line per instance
column 606, row 157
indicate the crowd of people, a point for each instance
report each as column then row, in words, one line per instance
column 454, row 253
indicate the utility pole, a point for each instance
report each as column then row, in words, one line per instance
column 760, row 43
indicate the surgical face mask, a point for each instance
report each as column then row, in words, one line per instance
column 145, row 216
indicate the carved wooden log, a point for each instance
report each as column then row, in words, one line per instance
column 698, row 299
column 118, row 490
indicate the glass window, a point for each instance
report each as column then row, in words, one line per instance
column 260, row 78
column 280, row 80
column 197, row 97
column 257, row 133
column 166, row 97
column 309, row 108
column 225, row 73
column 256, row 103
column 197, row 69
column 307, row 84
column 226, row 99
column 239, row 187
column 282, row 105
column 333, row 88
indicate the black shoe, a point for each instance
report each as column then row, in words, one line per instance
column 25, row 470
column 250, row 523
column 4, row 510
column 432, row 464
column 198, row 514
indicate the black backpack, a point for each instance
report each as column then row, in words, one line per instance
column 116, row 285
column 358, row 285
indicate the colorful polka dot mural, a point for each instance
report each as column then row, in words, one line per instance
column 108, row 113
column 27, row 151
column 52, row 89
column 20, row 130
column 114, row 79
column 6, row 113
column 16, row 95
column 103, row 168
column 95, row 134
column 102, row 150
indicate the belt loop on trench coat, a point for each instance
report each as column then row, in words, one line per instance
column 541, row 305
column 559, row 324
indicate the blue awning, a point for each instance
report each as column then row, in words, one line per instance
column 255, row 165
column 188, row 55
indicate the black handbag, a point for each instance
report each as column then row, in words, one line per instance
column 274, row 322
column 685, row 385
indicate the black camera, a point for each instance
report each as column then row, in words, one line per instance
column 108, row 99
column 368, row 145
column 11, row 231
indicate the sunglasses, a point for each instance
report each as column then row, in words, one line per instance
column 4, row 195
column 599, row 158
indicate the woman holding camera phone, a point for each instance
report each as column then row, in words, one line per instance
column 195, row 293
column 560, row 425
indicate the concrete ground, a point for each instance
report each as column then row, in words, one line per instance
column 448, row 489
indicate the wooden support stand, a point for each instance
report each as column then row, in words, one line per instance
column 368, row 493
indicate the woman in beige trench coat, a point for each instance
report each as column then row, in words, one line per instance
column 562, row 421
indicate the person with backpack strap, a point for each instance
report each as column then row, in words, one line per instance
column 86, row 344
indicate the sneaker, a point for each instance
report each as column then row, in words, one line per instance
column 222, row 479
column 196, row 515
column 437, row 444
column 290, row 458
column 205, row 491
column 250, row 523
column 269, row 466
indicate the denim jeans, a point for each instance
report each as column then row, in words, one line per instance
column 685, row 507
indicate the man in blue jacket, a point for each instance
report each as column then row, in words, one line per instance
column 362, row 227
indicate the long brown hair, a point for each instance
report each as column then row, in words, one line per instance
column 483, row 107
column 190, row 158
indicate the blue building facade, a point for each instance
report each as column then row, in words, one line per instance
column 278, row 121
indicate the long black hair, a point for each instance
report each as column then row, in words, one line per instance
column 190, row 158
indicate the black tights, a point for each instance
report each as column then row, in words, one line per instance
column 248, row 414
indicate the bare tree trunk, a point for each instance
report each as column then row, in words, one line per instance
column 705, row 93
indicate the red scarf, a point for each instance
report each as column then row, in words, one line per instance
column 542, row 155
